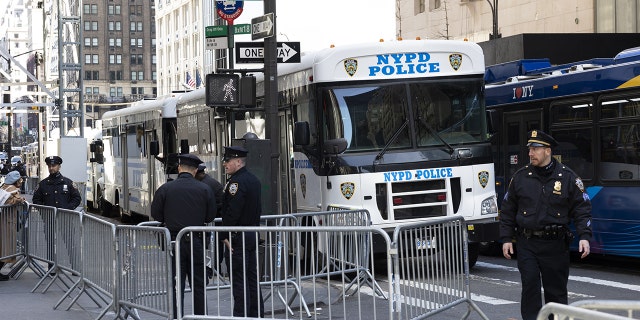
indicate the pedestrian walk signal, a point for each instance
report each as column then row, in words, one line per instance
column 222, row 90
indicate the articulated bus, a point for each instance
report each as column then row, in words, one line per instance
column 397, row 128
column 139, row 154
column 592, row 108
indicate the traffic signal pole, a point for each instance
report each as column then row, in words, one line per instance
column 271, row 106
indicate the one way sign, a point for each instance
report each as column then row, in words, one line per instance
column 253, row 52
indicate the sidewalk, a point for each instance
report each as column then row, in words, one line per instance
column 17, row 301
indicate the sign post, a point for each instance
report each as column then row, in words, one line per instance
column 263, row 27
column 229, row 10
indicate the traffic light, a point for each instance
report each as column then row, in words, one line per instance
column 222, row 90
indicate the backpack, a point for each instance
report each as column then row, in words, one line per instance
column 4, row 195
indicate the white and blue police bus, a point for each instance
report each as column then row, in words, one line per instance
column 397, row 128
column 139, row 154
column 592, row 108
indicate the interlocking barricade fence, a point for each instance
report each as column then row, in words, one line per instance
column 431, row 268
column 98, row 263
column 286, row 293
column 41, row 239
column 12, row 235
column 349, row 254
column 572, row 312
column 144, row 270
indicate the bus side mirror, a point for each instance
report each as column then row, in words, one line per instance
column 335, row 146
column 154, row 148
column 92, row 147
column 301, row 135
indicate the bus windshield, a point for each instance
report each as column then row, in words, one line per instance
column 369, row 117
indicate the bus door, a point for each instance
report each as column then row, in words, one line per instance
column 287, row 188
column 124, row 192
column 514, row 133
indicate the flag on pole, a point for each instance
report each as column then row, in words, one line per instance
column 198, row 79
column 190, row 81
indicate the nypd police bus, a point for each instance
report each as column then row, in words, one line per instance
column 397, row 128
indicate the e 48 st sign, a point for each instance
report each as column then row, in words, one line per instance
column 253, row 52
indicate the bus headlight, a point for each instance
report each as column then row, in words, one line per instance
column 489, row 206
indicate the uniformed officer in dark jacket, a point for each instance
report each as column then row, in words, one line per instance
column 56, row 190
column 242, row 207
column 542, row 199
column 181, row 203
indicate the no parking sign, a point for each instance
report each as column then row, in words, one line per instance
column 229, row 10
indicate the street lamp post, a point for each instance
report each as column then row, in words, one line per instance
column 494, row 13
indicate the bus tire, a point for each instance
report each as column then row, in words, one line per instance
column 106, row 208
column 474, row 251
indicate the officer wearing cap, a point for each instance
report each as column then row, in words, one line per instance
column 242, row 207
column 181, row 203
column 56, row 190
column 542, row 199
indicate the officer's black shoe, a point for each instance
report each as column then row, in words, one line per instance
column 4, row 277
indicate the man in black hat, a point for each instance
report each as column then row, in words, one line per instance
column 56, row 190
column 242, row 207
column 181, row 203
column 542, row 199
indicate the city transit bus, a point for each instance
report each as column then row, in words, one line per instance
column 592, row 108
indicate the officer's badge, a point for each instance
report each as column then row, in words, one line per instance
column 580, row 185
column 455, row 60
column 351, row 66
column 483, row 178
column 233, row 188
column 557, row 187
column 347, row 188
column 534, row 134
column 303, row 185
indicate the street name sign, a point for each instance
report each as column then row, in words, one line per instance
column 253, row 52
column 262, row 27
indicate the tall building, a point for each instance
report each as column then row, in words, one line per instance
column 574, row 30
column 119, row 49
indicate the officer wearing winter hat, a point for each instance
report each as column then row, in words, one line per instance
column 542, row 199
column 186, row 202
column 56, row 190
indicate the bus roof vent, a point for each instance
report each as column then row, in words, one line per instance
column 582, row 67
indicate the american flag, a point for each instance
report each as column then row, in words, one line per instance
column 198, row 79
column 190, row 81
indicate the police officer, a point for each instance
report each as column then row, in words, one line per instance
column 56, row 190
column 542, row 199
column 242, row 207
column 181, row 203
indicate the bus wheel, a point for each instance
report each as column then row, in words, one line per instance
column 106, row 208
column 474, row 251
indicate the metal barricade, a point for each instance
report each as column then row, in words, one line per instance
column 144, row 271
column 570, row 312
column 98, row 264
column 348, row 253
column 431, row 268
column 40, row 240
column 308, row 296
column 12, row 235
column 628, row 307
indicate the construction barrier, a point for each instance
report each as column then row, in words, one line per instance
column 319, row 270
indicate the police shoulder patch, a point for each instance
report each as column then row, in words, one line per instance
column 579, row 184
column 233, row 188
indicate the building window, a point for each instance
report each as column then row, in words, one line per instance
column 90, row 9
column 91, row 75
column 154, row 76
column 115, row 42
column 114, row 9
column 91, row 59
column 153, row 59
column 94, row 41
column 137, row 90
column 115, row 59
column 137, row 75
column 115, row 92
column 115, row 75
column 136, row 59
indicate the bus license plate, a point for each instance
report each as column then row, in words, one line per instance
column 425, row 243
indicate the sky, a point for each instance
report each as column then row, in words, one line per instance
column 318, row 24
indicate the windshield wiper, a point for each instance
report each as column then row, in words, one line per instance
column 393, row 139
column 435, row 133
